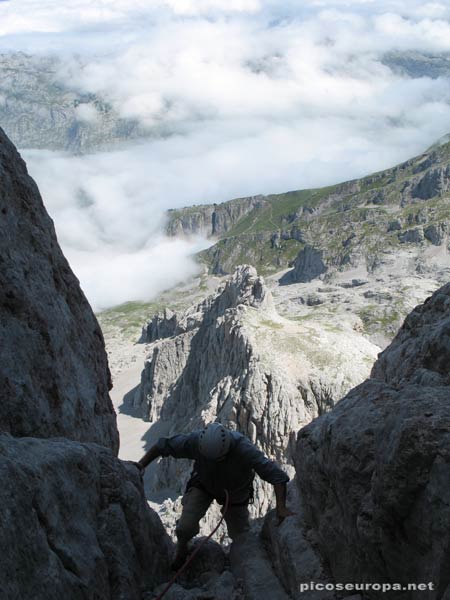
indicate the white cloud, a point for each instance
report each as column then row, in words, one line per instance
column 252, row 96
column 109, row 211
column 112, row 277
column 86, row 113
column 198, row 7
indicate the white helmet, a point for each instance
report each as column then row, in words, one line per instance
column 214, row 441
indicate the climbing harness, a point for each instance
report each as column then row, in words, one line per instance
column 191, row 557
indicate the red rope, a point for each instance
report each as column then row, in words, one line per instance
column 191, row 557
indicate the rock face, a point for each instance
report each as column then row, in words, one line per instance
column 291, row 547
column 74, row 521
column 162, row 325
column 251, row 565
column 436, row 233
column 54, row 377
column 374, row 471
column 211, row 220
column 433, row 183
column 75, row 524
column 234, row 359
column 307, row 266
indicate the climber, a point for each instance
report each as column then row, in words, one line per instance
column 224, row 459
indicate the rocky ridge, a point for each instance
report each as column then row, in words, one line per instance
column 211, row 220
column 74, row 519
column 370, row 492
column 234, row 359
column 370, row 248
column 48, row 328
column 361, row 223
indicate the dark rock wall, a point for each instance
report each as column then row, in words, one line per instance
column 54, row 376
column 74, row 522
column 374, row 472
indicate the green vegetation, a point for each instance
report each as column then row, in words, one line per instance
column 381, row 318
column 279, row 211
column 127, row 319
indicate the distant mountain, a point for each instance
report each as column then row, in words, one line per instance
column 37, row 110
column 357, row 223
column 418, row 64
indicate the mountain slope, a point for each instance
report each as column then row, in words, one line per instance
column 356, row 222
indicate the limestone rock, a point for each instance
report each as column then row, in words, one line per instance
column 395, row 225
column 308, row 265
column 434, row 182
column 251, row 565
column 353, row 283
column 74, row 521
column 374, row 471
column 211, row 220
column 291, row 548
column 436, row 233
column 54, row 377
column 411, row 236
column 246, row 366
column 75, row 524
column 420, row 353
column 162, row 325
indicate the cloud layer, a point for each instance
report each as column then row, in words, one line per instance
column 251, row 96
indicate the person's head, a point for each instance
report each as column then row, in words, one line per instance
column 214, row 441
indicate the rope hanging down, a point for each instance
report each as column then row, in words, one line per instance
column 191, row 557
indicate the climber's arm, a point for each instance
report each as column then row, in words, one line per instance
column 280, row 494
column 149, row 456
column 177, row 446
column 269, row 471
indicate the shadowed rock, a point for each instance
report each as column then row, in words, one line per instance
column 374, row 471
column 75, row 524
column 74, row 521
column 54, row 376
column 307, row 266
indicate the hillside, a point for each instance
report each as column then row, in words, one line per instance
column 356, row 222
column 372, row 247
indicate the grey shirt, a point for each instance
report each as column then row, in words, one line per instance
column 234, row 473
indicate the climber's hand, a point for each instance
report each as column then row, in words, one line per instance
column 283, row 512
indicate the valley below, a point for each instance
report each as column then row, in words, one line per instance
column 268, row 355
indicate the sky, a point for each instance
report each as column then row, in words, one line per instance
column 253, row 96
